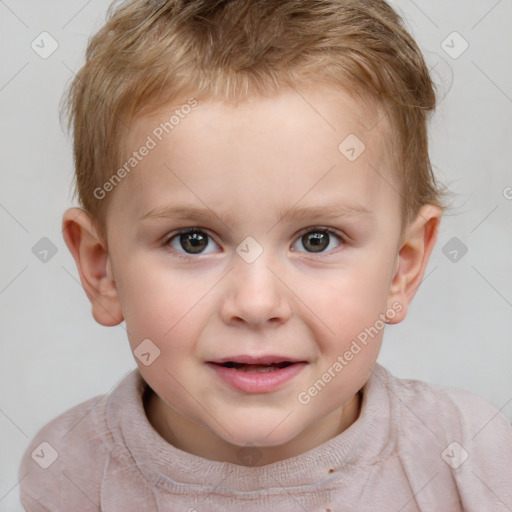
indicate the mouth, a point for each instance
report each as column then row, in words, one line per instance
column 255, row 368
column 260, row 374
column 256, row 364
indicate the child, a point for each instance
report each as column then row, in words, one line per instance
column 257, row 203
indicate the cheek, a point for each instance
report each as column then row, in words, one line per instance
column 348, row 305
column 157, row 304
column 348, row 294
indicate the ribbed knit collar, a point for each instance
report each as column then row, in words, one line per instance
column 171, row 468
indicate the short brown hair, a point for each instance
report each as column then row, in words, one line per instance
column 151, row 52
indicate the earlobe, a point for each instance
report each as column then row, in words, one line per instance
column 94, row 266
column 416, row 246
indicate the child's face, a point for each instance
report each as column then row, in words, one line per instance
column 317, row 300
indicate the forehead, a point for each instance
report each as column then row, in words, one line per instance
column 299, row 145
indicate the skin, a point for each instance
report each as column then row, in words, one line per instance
column 247, row 164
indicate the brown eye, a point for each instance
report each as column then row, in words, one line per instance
column 192, row 241
column 318, row 241
column 315, row 242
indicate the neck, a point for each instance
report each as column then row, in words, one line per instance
column 196, row 439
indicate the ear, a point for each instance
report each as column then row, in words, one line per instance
column 416, row 246
column 93, row 264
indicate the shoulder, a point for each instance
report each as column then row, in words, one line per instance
column 444, row 409
column 67, row 456
column 454, row 437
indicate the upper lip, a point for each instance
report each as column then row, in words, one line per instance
column 266, row 359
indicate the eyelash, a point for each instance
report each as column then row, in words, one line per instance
column 312, row 229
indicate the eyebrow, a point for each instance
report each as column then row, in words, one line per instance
column 185, row 213
column 329, row 211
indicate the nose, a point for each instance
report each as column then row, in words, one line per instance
column 255, row 295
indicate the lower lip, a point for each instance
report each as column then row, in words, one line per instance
column 257, row 382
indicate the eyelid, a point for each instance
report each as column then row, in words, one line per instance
column 180, row 231
column 321, row 228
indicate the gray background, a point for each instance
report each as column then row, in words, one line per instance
column 458, row 330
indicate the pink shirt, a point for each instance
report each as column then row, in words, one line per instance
column 415, row 447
